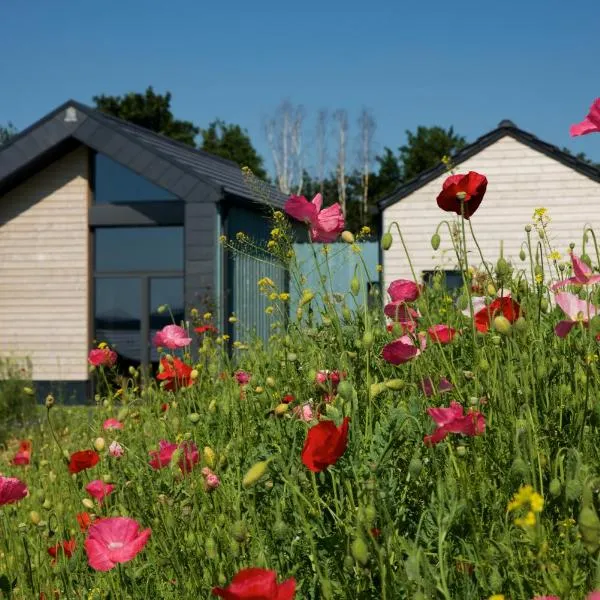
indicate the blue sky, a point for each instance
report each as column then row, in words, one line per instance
column 468, row 64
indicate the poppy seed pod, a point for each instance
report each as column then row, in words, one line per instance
column 360, row 551
column 555, row 488
column 354, row 286
column 99, row 444
column 522, row 254
column 435, row 241
column 394, row 384
column 386, row 240
column 193, row 418
column 502, row 325
column 255, row 473
column 589, row 528
column 367, row 340
column 345, row 390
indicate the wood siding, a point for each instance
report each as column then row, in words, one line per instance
column 519, row 180
column 44, row 283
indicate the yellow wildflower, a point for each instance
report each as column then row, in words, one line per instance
column 527, row 521
column 271, row 244
column 555, row 255
column 102, row 345
column 233, row 319
column 365, row 230
column 325, row 249
column 269, row 310
column 355, row 248
column 497, row 597
column 222, row 239
column 273, row 296
column 538, row 278
column 275, row 232
column 225, row 337
column 540, row 213
column 206, row 316
column 284, row 297
column 241, row 236
column 278, row 215
column 379, row 268
column 266, row 282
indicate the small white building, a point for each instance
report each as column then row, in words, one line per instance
column 524, row 173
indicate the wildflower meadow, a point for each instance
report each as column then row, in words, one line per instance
column 431, row 443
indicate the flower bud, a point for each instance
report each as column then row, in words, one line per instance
column 461, row 451
column 367, row 340
column 307, row 296
column 347, row 237
column 354, row 286
column 239, row 531
column 496, row 340
column 35, row 517
column 210, row 547
column 360, row 551
column 376, row 389
column 345, row 390
column 255, row 473
column 528, row 228
column 589, row 528
column 49, row 401
column 484, row 365
column 502, row 267
column 435, row 241
column 491, row 290
column 346, row 313
column 386, row 240
column 502, row 325
column 212, row 407
column 520, row 325
column 415, row 467
column 281, row 409
column 89, row 504
column 99, row 444
column 193, row 417
column 522, row 254
column 270, row 382
column 555, row 488
column 394, row 384
column 194, row 374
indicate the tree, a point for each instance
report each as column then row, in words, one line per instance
column 583, row 157
column 341, row 118
column 7, row 132
column 426, row 148
column 284, row 136
column 149, row 110
column 366, row 124
column 232, row 142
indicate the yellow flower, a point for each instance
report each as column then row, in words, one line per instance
column 539, row 213
column 278, row 215
column 527, row 521
column 206, row 316
column 496, row 596
column 232, row 319
column 355, row 248
column 241, row 236
column 555, row 255
column 284, row 297
column 271, row 244
column 365, row 230
column 536, row 502
column 275, row 232
column 379, row 268
column 266, row 282
column 269, row 310
column 538, row 278
column 222, row 239
column 225, row 337
column 325, row 249
column 102, row 345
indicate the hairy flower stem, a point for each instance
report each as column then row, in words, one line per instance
column 465, row 272
column 489, row 272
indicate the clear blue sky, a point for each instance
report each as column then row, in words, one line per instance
column 468, row 64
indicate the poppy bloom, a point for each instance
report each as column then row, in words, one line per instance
column 175, row 373
column 404, row 290
column 102, row 357
column 546, row 598
column 206, row 329
column 429, row 389
column 401, row 313
column 11, row 490
column 462, row 194
column 84, row 520
column 578, row 311
column 114, row 540
column 593, row 596
column 591, row 124
column 211, row 479
column 66, row 547
column 304, row 412
column 112, row 424
column 162, row 457
column 325, row 225
column 99, row 490
column 288, row 399
column 453, row 420
column 172, row 337
column 324, row 445
column 242, row 377
column 23, row 454
column 84, row 459
column 115, row 449
column 582, row 275
column 402, row 350
column 443, row 334
column 257, row 584
column 505, row 306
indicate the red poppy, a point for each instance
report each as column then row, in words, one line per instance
column 84, row 459
column 206, row 329
column 325, row 444
column 176, row 373
column 506, row 306
column 443, row 334
column 257, row 584
column 67, row 547
column 23, row 454
column 85, row 520
column 164, row 407
column 288, row 399
column 466, row 190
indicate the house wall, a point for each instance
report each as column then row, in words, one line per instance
column 44, row 270
column 519, row 180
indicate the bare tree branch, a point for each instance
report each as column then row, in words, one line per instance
column 341, row 119
column 367, row 125
column 321, row 144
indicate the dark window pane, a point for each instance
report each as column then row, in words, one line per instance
column 139, row 249
column 118, row 304
column 116, row 183
column 165, row 291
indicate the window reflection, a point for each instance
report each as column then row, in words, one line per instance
column 115, row 183
column 138, row 249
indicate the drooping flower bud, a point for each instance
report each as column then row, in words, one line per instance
column 386, row 240
column 360, row 551
column 354, row 285
column 435, row 241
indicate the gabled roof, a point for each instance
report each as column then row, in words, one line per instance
column 505, row 128
column 172, row 165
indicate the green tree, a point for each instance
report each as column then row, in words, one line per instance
column 425, row 149
column 232, row 142
column 149, row 110
column 7, row 132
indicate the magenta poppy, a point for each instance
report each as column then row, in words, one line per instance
column 162, row 457
column 462, row 194
column 172, row 337
column 402, row 350
column 114, row 540
column 11, row 490
column 442, row 334
column 257, row 584
column 429, row 389
column 453, row 420
column 591, row 124
column 242, row 377
column 102, row 357
column 578, row 311
column 403, row 290
column 325, row 224
column 99, row 490
column 582, row 275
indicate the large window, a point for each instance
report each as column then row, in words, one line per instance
column 114, row 183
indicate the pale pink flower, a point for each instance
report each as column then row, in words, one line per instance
column 114, row 540
column 112, row 424
column 582, row 275
column 578, row 311
column 12, row 490
column 172, row 337
column 304, row 412
column 99, row 490
column 591, row 124
column 115, row 449
column 324, row 225
column 211, row 479
column 242, row 377
column 593, row 595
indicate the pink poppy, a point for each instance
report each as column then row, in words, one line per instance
column 172, row 337
column 211, row 479
column 546, row 598
column 442, row 334
column 453, row 420
column 162, row 457
column 403, row 290
column 23, row 455
column 114, row 540
column 591, row 124
column 400, row 312
column 102, row 357
column 99, row 490
column 582, row 275
column 429, row 389
column 578, row 311
column 593, row 595
column 112, row 424
column 115, row 449
column 324, row 225
column 11, row 490
column 242, row 377
column 304, row 412
column 402, row 350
